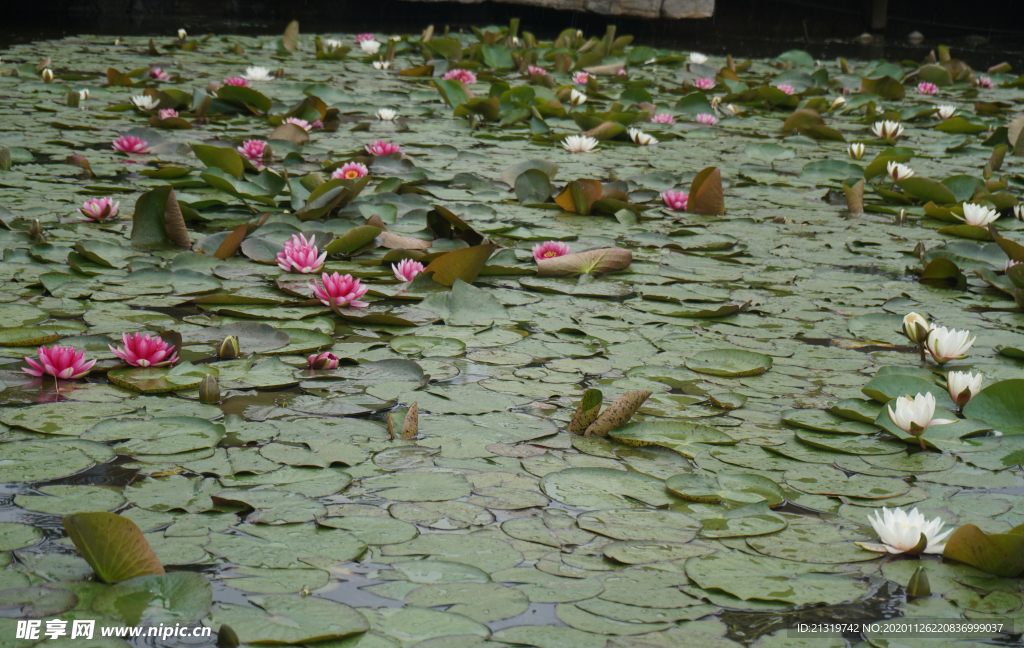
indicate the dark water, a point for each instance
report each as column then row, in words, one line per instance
column 743, row 28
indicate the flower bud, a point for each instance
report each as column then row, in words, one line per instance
column 83, row 95
column 325, row 360
column 838, row 102
column 209, row 390
column 916, row 328
column 182, row 34
column 962, row 386
column 36, row 232
column 228, row 349
column 856, row 150
column 47, row 75
column 918, row 585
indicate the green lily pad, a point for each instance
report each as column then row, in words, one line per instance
column 596, row 488
column 733, row 489
column 179, row 597
column 289, row 619
column 731, row 363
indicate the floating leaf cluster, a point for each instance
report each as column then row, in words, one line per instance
column 680, row 415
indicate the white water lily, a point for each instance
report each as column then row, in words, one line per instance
column 900, row 532
column 898, row 171
column 1018, row 212
column 698, row 58
column 577, row 98
column 579, row 144
column 945, row 111
column 145, row 102
column 332, row 43
column 382, row 65
column 641, row 138
column 83, row 95
column 370, row 46
column 962, row 386
column 838, row 102
column 258, row 73
column 386, row 114
column 182, row 34
column 948, row 344
column 914, row 415
column 856, row 150
column 978, row 215
column 887, row 129
column 916, row 327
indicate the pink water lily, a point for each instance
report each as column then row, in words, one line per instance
column 533, row 69
column 237, row 81
column 350, row 171
column 301, row 123
column 581, row 78
column 676, row 200
column 325, row 360
column 167, row 113
column 300, row 255
column 130, row 144
column 785, row 87
column 458, row 74
column 985, row 82
column 663, row 118
column 342, row 290
column 380, row 147
column 99, row 209
column 158, row 74
column 704, row 84
column 550, row 250
column 59, row 362
column 365, row 37
column 707, row 119
column 926, row 88
column 145, row 350
column 253, row 150
column 407, row 269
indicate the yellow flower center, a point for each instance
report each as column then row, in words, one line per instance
column 351, row 175
column 548, row 255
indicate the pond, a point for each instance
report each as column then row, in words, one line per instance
column 611, row 344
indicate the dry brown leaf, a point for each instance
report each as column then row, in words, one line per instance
column 412, row 423
column 398, row 242
column 619, row 412
column 289, row 133
column 231, row 242
column 593, row 262
column 174, row 222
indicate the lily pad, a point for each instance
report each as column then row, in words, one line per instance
column 732, row 363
